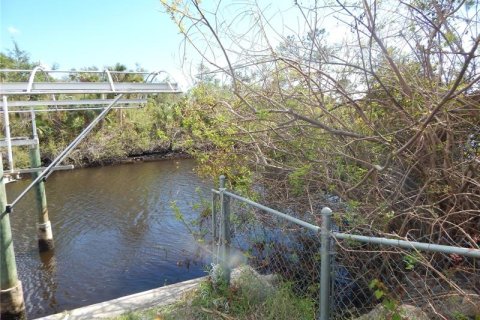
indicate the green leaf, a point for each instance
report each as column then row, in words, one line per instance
column 396, row 316
column 373, row 283
column 379, row 294
column 389, row 304
column 450, row 37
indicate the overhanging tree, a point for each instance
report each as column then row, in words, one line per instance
column 386, row 116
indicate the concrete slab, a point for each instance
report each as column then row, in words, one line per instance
column 142, row 300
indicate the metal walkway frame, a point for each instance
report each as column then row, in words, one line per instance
column 109, row 86
column 67, row 96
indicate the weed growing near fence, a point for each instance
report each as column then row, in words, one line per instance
column 242, row 301
column 239, row 301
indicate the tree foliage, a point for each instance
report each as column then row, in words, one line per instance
column 385, row 115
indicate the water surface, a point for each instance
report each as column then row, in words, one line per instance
column 115, row 234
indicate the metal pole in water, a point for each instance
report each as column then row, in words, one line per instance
column 325, row 267
column 44, row 227
column 11, row 293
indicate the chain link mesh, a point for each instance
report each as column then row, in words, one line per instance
column 369, row 281
column 273, row 246
column 404, row 282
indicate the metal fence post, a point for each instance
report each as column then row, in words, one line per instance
column 225, row 229
column 325, row 267
column 214, row 229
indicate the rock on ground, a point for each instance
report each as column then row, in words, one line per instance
column 251, row 281
column 454, row 305
column 406, row 311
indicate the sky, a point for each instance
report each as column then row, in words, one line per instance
column 83, row 33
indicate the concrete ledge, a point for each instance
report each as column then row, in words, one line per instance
column 142, row 300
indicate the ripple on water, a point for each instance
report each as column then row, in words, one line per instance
column 115, row 234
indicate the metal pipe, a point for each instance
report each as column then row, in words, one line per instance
column 224, row 230
column 468, row 252
column 156, row 73
column 46, row 173
column 325, row 268
column 72, row 109
column 474, row 253
column 34, row 125
column 214, row 219
column 226, row 236
column 32, row 77
column 30, row 170
column 43, row 103
column 80, row 71
column 20, row 88
column 17, row 141
column 6, row 119
column 110, row 80
column 214, row 229
column 275, row 212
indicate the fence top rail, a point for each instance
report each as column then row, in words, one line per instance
column 270, row 210
column 421, row 246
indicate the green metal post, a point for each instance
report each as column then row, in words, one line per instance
column 44, row 227
column 225, row 229
column 325, row 267
column 11, row 294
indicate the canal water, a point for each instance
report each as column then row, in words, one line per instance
column 115, row 234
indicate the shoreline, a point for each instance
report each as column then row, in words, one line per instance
column 144, row 157
column 131, row 159
column 136, row 158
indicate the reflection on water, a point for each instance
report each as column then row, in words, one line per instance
column 115, row 234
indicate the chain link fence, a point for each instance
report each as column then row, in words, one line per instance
column 362, row 277
column 406, row 283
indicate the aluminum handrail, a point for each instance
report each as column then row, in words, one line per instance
column 43, row 103
column 22, row 88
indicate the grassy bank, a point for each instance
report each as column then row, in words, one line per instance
column 249, row 297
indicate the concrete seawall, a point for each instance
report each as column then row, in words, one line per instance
column 142, row 300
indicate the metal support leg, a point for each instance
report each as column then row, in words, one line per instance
column 44, row 227
column 11, row 294
column 6, row 119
